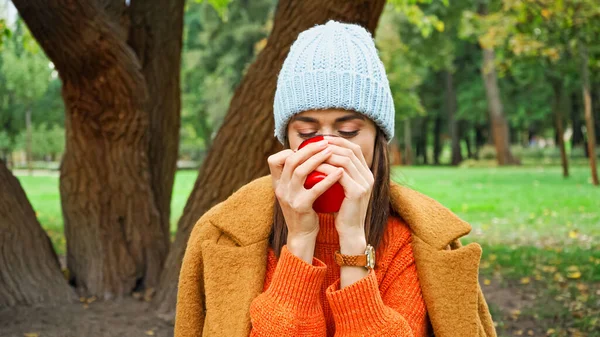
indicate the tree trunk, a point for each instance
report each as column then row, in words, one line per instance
column 156, row 35
column 437, row 142
column 589, row 118
column 498, row 121
column 246, row 136
column 29, row 269
column 558, row 125
column 206, row 129
column 395, row 153
column 28, row 153
column 452, row 122
column 423, row 139
column 115, row 241
column 479, row 139
column 577, row 139
column 464, row 126
column 408, row 153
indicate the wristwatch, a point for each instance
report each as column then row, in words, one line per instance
column 366, row 260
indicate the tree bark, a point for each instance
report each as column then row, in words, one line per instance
column 499, row 125
column 589, row 118
column 156, row 35
column 452, row 122
column 408, row 153
column 115, row 241
column 558, row 125
column 29, row 269
column 245, row 140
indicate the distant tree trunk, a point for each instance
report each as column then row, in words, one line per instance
column 499, row 125
column 498, row 122
column 558, row 125
column 597, row 115
column 577, row 139
column 408, row 153
column 395, row 153
column 479, row 139
column 28, row 153
column 423, row 139
column 206, row 129
column 466, row 134
column 29, row 269
column 589, row 118
column 249, row 121
column 115, row 239
column 437, row 143
column 456, row 157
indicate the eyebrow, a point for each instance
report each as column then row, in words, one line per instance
column 337, row 120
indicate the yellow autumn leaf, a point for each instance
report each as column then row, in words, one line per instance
column 574, row 275
column 487, row 282
column 550, row 332
column 573, row 234
column 518, row 332
column 558, row 277
column 525, row 280
column 31, row 334
column 149, row 333
column 546, row 13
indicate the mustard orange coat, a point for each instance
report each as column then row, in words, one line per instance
column 224, row 265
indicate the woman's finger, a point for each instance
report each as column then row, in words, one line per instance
column 348, row 165
column 363, row 171
column 304, row 169
column 299, row 157
column 340, row 141
column 276, row 162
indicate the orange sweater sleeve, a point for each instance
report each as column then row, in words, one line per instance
column 290, row 305
column 361, row 309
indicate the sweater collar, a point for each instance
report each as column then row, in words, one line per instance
column 247, row 215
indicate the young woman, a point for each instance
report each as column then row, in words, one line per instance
column 389, row 262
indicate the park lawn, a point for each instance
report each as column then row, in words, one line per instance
column 539, row 234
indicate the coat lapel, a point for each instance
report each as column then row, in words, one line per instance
column 236, row 262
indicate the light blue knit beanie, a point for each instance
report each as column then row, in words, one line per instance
column 335, row 65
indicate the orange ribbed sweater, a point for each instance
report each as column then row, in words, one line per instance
column 300, row 299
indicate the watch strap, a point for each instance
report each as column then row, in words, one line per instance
column 350, row 260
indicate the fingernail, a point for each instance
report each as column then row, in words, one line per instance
column 322, row 143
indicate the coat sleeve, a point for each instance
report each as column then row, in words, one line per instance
column 290, row 305
column 361, row 309
column 190, row 309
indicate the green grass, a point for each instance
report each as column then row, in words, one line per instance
column 530, row 205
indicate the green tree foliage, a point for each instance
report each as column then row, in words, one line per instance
column 28, row 82
column 219, row 43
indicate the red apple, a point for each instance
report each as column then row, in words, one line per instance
column 331, row 200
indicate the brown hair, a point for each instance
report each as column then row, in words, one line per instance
column 380, row 200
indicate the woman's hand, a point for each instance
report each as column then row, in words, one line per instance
column 289, row 170
column 357, row 181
